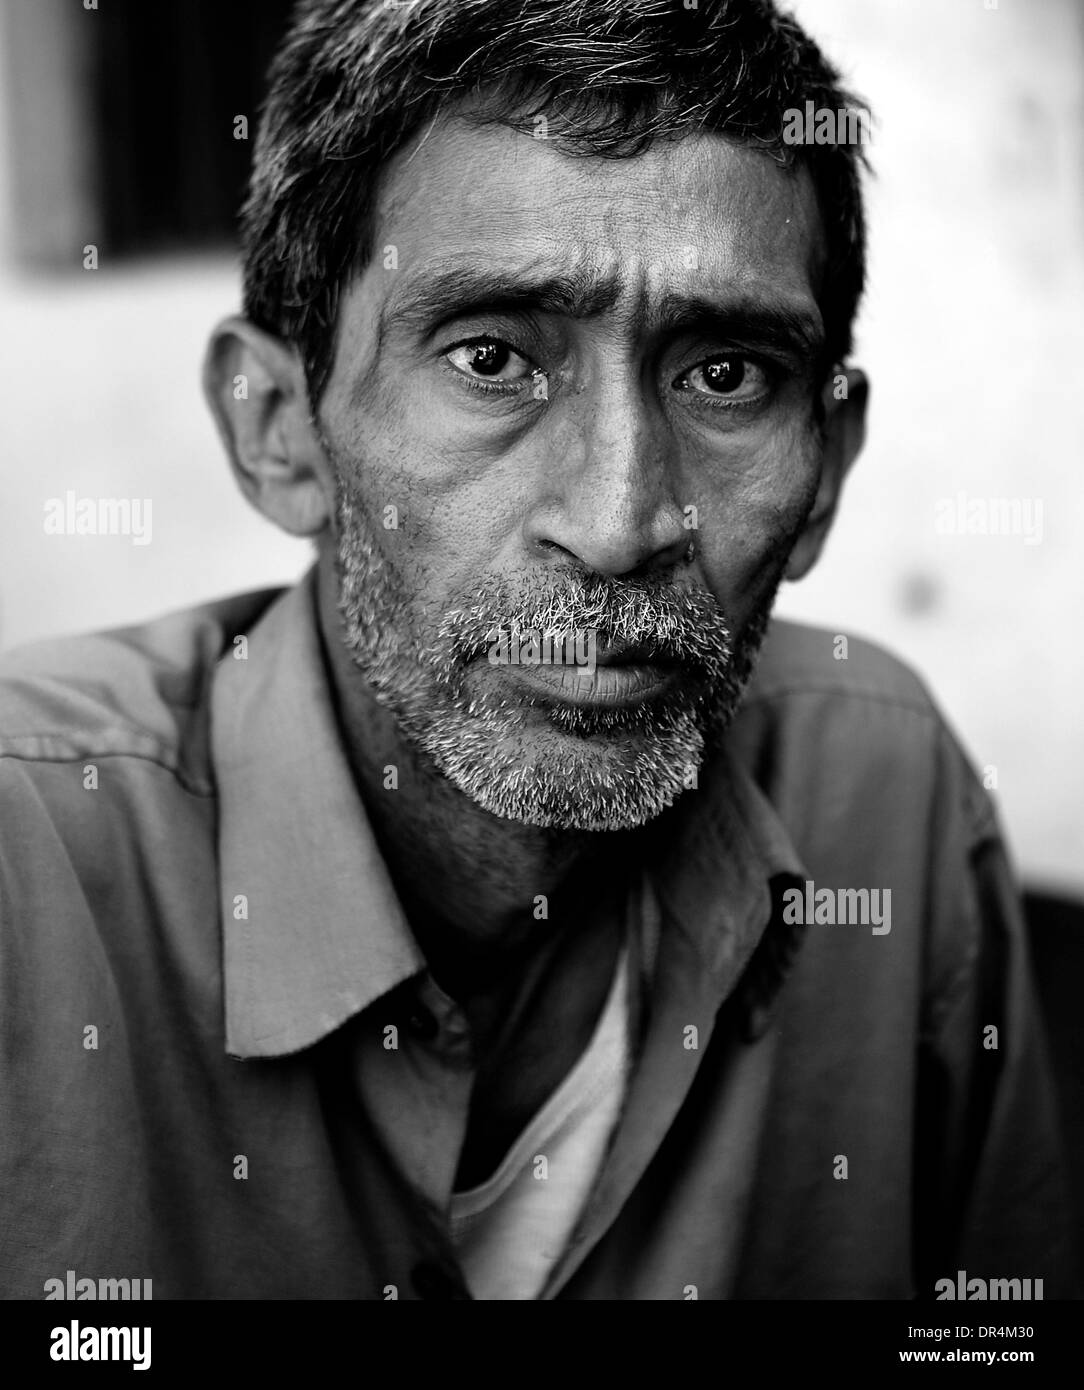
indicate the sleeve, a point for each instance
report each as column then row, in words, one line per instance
column 992, row 1198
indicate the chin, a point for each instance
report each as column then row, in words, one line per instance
column 602, row 781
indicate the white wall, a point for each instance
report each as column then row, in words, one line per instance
column 973, row 335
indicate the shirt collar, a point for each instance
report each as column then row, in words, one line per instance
column 313, row 931
column 726, row 859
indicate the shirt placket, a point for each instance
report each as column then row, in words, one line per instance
column 414, row 1070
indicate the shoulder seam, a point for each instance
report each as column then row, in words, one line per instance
column 195, row 788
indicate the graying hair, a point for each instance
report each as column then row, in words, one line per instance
column 354, row 80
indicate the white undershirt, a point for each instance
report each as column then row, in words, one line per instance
column 511, row 1230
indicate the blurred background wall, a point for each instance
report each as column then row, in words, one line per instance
column 117, row 129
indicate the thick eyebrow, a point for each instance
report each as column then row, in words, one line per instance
column 761, row 317
column 458, row 291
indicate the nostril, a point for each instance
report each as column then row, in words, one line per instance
column 552, row 547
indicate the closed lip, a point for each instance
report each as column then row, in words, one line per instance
column 613, row 684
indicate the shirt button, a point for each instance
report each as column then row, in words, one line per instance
column 421, row 1023
column 434, row 1282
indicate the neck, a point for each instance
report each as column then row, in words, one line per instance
column 479, row 891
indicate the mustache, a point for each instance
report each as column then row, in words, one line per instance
column 652, row 614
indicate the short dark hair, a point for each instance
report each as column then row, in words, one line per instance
column 354, row 80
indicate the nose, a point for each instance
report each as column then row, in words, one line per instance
column 605, row 494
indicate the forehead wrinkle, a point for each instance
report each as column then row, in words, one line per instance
column 587, row 286
column 583, row 287
column 580, row 288
column 513, row 209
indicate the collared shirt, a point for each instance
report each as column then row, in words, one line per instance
column 224, row 1066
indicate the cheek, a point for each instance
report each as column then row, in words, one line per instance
column 436, row 543
column 751, row 516
column 416, row 456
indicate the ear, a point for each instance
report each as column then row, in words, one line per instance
column 843, row 405
column 255, row 386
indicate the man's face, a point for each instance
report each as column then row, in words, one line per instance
column 556, row 373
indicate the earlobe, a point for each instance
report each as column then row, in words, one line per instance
column 843, row 402
column 255, row 387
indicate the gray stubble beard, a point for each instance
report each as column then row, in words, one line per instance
column 586, row 769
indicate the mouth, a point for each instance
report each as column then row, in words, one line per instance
column 622, row 679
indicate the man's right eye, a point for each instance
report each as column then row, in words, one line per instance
column 489, row 359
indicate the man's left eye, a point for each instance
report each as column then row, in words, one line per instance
column 488, row 359
column 728, row 377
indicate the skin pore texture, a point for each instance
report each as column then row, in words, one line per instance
column 549, row 366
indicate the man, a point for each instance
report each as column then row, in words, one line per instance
column 463, row 922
